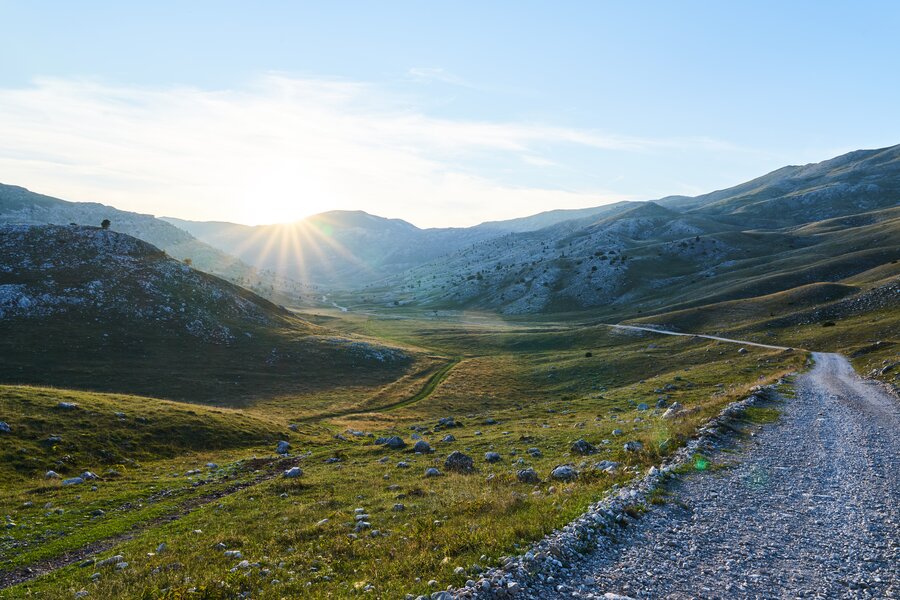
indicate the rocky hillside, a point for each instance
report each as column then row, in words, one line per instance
column 580, row 259
column 796, row 226
column 91, row 308
column 19, row 205
column 860, row 181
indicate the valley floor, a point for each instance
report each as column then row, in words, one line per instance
column 808, row 510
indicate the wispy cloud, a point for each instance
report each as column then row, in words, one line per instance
column 280, row 149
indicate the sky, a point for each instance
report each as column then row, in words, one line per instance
column 440, row 113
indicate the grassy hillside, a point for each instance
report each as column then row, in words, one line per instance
column 93, row 309
column 105, row 430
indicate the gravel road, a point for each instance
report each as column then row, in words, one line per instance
column 810, row 508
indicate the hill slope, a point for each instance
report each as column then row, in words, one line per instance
column 19, row 205
column 796, row 226
column 95, row 309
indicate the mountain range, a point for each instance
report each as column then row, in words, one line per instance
column 757, row 237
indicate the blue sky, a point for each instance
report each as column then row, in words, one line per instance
column 440, row 113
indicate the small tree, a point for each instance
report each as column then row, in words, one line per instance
column 105, row 224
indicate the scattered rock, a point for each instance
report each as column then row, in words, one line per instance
column 4, row 427
column 607, row 466
column 528, row 475
column 534, row 452
column 283, row 447
column 67, row 405
column 564, row 473
column 51, row 475
column 112, row 560
column 633, row 446
column 742, row 351
column 393, row 442
column 672, row 411
column 492, row 457
column 73, row 481
column 398, row 507
column 432, row 472
column 448, row 438
column 361, row 525
column 293, row 472
column 423, row 447
column 642, row 406
column 583, row 448
column 459, row 462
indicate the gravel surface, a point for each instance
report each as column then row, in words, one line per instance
column 809, row 509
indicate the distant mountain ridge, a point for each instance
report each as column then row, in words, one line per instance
column 346, row 250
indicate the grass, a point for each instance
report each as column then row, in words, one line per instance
column 535, row 382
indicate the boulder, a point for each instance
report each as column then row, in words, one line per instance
column 607, row 466
column 283, row 447
column 393, row 442
column 672, row 411
column 534, row 452
column 528, row 475
column 642, row 406
column 67, row 405
column 448, row 438
column 583, row 448
column 447, row 422
column 293, row 472
column 633, row 446
column 423, row 447
column 73, row 481
column 492, row 457
column 51, row 475
column 4, row 427
column 432, row 472
column 564, row 473
column 459, row 462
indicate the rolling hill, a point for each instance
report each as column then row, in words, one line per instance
column 88, row 308
column 19, row 205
